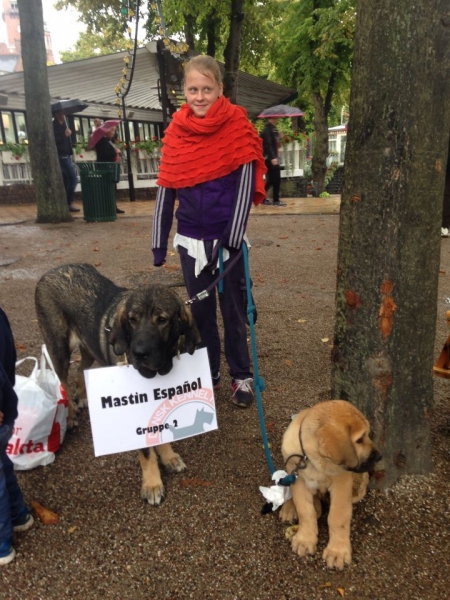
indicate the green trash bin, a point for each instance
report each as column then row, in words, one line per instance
column 98, row 190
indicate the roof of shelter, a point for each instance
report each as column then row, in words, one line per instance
column 93, row 80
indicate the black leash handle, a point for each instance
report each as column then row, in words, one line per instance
column 205, row 293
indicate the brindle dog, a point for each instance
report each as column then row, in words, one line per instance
column 77, row 307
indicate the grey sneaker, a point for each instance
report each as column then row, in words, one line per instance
column 242, row 392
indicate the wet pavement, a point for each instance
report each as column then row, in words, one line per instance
column 16, row 213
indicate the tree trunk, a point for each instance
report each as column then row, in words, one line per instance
column 212, row 25
column 47, row 178
column 189, row 31
column 233, row 50
column 320, row 152
column 389, row 238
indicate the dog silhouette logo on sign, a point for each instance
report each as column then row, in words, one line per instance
column 201, row 417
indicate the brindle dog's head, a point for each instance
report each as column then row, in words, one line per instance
column 152, row 326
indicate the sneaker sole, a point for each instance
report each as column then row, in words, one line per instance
column 241, row 404
column 5, row 560
column 25, row 526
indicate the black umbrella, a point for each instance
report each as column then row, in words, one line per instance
column 69, row 107
column 281, row 110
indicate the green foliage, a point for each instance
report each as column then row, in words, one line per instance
column 314, row 44
column 18, row 149
column 330, row 173
column 107, row 26
column 324, row 195
column 148, row 146
column 92, row 44
column 314, row 53
column 82, row 145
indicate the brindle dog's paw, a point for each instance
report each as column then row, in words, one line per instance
column 81, row 401
column 302, row 545
column 337, row 557
column 175, row 464
column 72, row 423
column 153, row 495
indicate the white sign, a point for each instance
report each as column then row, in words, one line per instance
column 129, row 412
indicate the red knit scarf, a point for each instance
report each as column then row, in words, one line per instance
column 196, row 150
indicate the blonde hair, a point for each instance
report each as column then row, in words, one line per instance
column 206, row 65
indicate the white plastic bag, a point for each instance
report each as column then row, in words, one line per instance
column 40, row 428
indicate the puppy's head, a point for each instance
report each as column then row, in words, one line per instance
column 342, row 436
column 152, row 326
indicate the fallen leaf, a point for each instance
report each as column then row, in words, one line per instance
column 301, row 321
column 97, row 264
column 270, row 426
column 72, row 529
column 290, row 532
column 20, row 347
column 96, row 249
column 118, row 247
column 319, row 248
column 325, row 340
column 48, row 517
column 341, row 592
column 325, row 585
column 288, row 362
column 171, row 267
column 283, row 237
column 441, row 272
column 195, row 482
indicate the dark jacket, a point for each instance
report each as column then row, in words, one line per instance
column 216, row 209
column 8, row 397
column 63, row 143
column 106, row 151
column 271, row 141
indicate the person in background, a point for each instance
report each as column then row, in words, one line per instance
column 14, row 514
column 96, row 125
column 108, row 152
column 212, row 162
column 271, row 149
column 62, row 135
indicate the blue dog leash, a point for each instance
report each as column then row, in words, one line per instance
column 259, row 383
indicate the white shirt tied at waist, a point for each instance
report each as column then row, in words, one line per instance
column 196, row 249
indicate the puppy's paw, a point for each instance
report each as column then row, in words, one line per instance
column 154, row 495
column 175, row 464
column 337, row 557
column 302, row 545
column 287, row 513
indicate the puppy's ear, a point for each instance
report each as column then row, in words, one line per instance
column 120, row 335
column 189, row 334
column 335, row 443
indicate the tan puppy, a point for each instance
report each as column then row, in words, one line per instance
column 329, row 447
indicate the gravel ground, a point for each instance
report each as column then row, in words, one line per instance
column 209, row 540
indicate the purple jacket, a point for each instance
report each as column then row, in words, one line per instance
column 216, row 209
